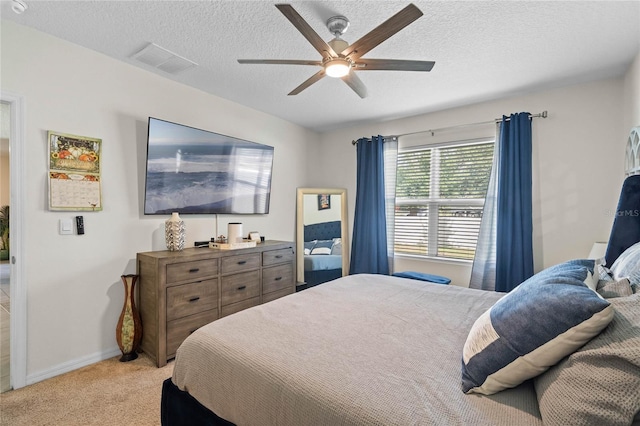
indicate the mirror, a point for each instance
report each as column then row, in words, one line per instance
column 322, row 241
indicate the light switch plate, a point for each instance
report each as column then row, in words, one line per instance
column 66, row 226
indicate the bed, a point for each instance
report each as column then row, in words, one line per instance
column 379, row 350
column 322, row 252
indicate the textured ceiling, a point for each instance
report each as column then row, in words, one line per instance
column 483, row 49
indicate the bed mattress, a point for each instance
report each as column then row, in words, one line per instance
column 361, row 350
column 322, row 262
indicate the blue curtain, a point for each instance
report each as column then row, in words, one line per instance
column 507, row 223
column 369, row 243
column 514, row 228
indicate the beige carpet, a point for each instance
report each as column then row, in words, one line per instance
column 106, row 393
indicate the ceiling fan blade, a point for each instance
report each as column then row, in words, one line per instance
column 319, row 44
column 356, row 84
column 382, row 32
column 393, row 65
column 279, row 62
column 314, row 78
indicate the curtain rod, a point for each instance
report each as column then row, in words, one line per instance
column 542, row 114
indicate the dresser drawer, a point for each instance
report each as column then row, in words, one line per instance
column 274, row 257
column 189, row 299
column 276, row 294
column 194, row 270
column 241, row 262
column 238, row 287
column 240, row 306
column 180, row 329
column 277, row 277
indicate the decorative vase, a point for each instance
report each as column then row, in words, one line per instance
column 129, row 328
column 174, row 232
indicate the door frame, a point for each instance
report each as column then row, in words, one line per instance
column 18, row 316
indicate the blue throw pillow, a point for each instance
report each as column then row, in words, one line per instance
column 438, row 279
column 544, row 319
column 309, row 245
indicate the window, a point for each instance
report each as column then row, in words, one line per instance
column 440, row 193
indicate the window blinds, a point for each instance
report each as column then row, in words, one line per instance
column 439, row 199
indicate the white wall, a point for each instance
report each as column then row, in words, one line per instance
column 577, row 160
column 4, row 172
column 312, row 215
column 73, row 283
column 5, row 132
column 631, row 112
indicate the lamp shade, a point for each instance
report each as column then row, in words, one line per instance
column 598, row 250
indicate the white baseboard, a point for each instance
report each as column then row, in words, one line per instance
column 71, row 365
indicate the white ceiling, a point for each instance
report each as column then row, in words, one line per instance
column 483, row 49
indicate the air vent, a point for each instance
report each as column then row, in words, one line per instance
column 163, row 59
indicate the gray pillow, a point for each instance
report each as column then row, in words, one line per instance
column 337, row 249
column 600, row 383
column 612, row 289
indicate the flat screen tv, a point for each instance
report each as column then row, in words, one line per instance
column 194, row 171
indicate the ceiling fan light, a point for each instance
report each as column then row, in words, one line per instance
column 337, row 68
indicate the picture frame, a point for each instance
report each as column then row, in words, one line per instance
column 75, row 181
column 324, row 201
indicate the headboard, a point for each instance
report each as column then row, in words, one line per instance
column 323, row 231
column 626, row 225
column 632, row 157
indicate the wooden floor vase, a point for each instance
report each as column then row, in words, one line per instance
column 129, row 328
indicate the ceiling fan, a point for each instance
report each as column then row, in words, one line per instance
column 339, row 59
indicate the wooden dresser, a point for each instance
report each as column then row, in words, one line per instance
column 181, row 291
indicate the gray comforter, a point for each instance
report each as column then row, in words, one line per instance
column 361, row 350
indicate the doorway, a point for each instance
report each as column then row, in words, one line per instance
column 5, row 269
column 13, row 320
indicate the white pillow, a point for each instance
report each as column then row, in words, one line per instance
column 628, row 265
column 321, row 250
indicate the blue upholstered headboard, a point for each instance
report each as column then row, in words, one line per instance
column 626, row 225
column 323, row 231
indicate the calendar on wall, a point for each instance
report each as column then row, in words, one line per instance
column 74, row 172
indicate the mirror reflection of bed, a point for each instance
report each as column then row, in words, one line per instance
column 322, row 252
column 322, row 235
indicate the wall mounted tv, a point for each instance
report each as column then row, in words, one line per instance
column 193, row 171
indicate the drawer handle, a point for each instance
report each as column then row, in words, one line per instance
column 278, row 278
column 192, row 270
column 279, row 256
column 194, row 299
column 242, row 262
column 242, row 287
